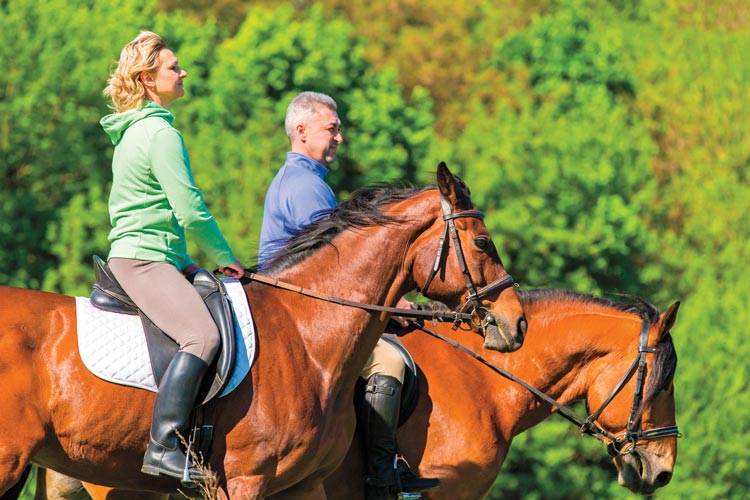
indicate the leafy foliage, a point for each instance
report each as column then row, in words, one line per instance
column 562, row 161
column 51, row 143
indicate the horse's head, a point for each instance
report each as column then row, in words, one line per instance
column 454, row 260
column 639, row 426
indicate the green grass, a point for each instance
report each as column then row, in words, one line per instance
column 28, row 490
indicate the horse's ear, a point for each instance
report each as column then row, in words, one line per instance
column 453, row 189
column 667, row 319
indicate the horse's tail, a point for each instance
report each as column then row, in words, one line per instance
column 15, row 491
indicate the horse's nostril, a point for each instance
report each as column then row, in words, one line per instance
column 663, row 479
column 521, row 327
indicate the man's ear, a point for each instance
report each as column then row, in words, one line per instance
column 301, row 132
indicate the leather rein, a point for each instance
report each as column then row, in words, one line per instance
column 473, row 297
column 623, row 443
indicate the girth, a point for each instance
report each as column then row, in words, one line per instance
column 108, row 295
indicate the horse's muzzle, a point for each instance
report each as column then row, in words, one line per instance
column 500, row 337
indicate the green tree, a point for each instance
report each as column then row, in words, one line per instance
column 438, row 45
column 50, row 104
column 692, row 59
column 691, row 88
column 560, row 160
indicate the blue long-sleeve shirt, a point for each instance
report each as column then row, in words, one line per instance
column 297, row 196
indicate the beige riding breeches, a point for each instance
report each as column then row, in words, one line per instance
column 171, row 302
column 384, row 360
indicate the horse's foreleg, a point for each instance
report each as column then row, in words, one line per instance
column 15, row 490
column 14, row 471
column 21, row 416
column 53, row 485
column 16, row 447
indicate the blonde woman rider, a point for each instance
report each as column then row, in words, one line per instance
column 153, row 206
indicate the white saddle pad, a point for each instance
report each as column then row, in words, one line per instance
column 113, row 346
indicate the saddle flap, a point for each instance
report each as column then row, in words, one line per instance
column 114, row 348
column 214, row 295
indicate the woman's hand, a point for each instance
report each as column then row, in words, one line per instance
column 192, row 268
column 234, row 270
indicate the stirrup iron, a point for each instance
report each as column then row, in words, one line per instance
column 403, row 495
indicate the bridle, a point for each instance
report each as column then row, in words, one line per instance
column 625, row 443
column 617, row 444
column 474, row 296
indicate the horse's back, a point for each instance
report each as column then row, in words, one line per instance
column 22, row 307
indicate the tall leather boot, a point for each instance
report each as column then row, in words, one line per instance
column 174, row 402
column 379, row 417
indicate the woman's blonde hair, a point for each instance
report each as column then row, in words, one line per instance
column 125, row 87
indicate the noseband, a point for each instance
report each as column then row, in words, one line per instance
column 474, row 296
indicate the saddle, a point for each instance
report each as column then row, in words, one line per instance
column 108, row 295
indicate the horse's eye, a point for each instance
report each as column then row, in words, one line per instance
column 482, row 242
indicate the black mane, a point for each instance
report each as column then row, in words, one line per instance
column 363, row 209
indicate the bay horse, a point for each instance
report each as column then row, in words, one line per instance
column 290, row 422
column 472, row 405
column 577, row 348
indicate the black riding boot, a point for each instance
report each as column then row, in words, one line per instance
column 174, row 402
column 384, row 480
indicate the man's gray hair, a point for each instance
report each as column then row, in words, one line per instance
column 303, row 107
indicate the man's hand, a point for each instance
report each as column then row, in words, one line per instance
column 403, row 304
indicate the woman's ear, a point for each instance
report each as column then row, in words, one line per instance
column 147, row 79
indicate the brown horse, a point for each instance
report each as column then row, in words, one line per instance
column 578, row 348
column 290, row 422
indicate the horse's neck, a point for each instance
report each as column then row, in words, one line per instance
column 564, row 354
column 362, row 266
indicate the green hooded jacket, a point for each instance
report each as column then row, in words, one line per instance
column 154, row 201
